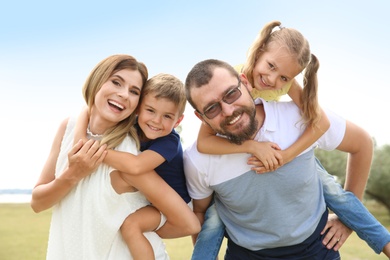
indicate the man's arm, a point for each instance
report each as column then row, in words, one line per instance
column 359, row 158
column 358, row 168
column 200, row 207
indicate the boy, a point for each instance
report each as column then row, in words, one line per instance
column 161, row 109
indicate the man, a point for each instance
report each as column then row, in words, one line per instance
column 273, row 215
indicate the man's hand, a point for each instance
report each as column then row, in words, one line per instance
column 337, row 233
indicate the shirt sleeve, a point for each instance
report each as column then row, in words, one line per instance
column 167, row 146
column 332, row 138
column 196, row 179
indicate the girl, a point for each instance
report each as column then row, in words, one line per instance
column 90, row 200
column 273, row 61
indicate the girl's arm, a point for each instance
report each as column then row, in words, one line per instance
column 129, row 163
column 181, row 221
column 311, row 134
column 267, row 152
column 83, row 160
column 308, row 137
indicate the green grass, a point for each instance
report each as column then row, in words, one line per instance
column 23, row 236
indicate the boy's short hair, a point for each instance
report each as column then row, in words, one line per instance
column 166, row 86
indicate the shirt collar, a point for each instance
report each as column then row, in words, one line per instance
column 270, row 121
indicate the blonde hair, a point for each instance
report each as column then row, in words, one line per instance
column 168, row 87
column 101, row 74
column 299, row 48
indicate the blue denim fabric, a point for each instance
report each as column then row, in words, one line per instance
column 210, row 237
column 352, row 212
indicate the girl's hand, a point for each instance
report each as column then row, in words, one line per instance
column 84, row 158
column 337, row 233
column 266, row 157
column 286, row 156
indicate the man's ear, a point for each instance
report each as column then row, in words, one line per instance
column 198, row 115
column 246, row 82
column 179, row 121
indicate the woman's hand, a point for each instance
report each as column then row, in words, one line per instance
column 86, row 157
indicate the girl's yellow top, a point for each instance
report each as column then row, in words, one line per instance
column 269, row 94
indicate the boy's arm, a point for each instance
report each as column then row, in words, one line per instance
column 129, row 163
column 311, row 134
column 81, row 126
column 266, row 152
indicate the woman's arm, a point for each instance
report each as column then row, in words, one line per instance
column 83, row 159
column 359, row 158
column 181, row 221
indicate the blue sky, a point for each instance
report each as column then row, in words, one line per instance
column 47, row 50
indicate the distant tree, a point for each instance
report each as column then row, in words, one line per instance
column 179, row 129
column 335, row 162
column 378, row 185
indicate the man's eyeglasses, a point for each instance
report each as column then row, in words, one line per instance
column 214, row 109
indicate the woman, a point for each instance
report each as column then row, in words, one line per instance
column 91, row 200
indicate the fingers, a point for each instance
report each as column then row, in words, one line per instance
column 279, row 159
column 76, row 147
column 86, row 157
column 265, row 165
column 90, row 147
column 95, row 153
column 327, row 226
column 339, row 244
column 333, row 238
column 100, row 154
column 259, row 170
column 275, row 146
column 337, row 233
column 258, row 166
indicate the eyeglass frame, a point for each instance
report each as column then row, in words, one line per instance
column 238, row 87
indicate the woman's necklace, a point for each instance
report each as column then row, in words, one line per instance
column 93, row 136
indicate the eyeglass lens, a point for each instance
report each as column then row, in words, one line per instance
column 213, row 110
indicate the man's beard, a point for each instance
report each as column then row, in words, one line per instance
column 244, row 133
